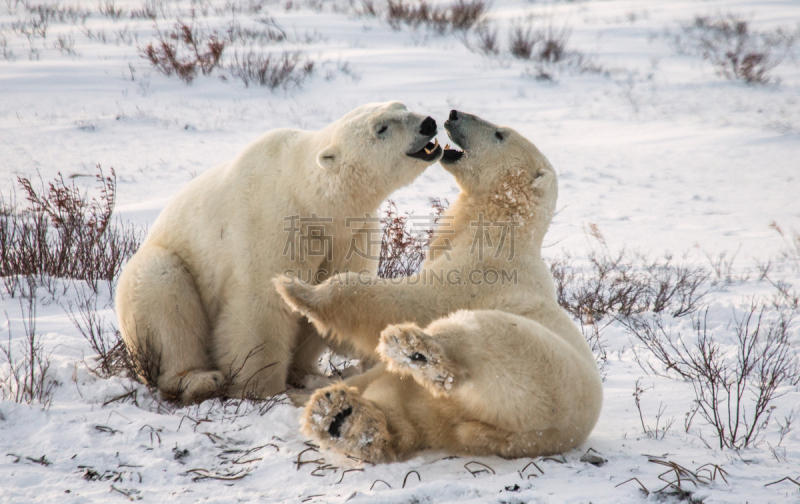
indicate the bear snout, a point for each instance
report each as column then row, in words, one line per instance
column 428, row 127
column 453, row 115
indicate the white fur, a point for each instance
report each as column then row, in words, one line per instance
column 497, row 369
column 195, row 303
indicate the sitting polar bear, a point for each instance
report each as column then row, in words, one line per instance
column 195, row 303
column 478, row 357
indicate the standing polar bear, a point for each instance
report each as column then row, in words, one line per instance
column 478, row 357
column 195, row 303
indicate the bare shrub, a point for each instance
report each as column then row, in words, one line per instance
column 553, row 44
column 791, row 250
column 111, row 356
column 784, row 428
column 676, row 476
column 64, row 233
column 148, row 10
column 24, row 374
column 270, row 33
column 622, row 284
column 591, row 333
column 774, row 271
column 109, row 9
column 521, row 40
column 660, row 430
column 35, row 25
column 487, row 39
column 733, row 394
column 616, row 286
column 367, row 9
column 461, row 15
column 183, row 50
column 736, row 51
column 8, row 54
column 402, row 251
column 399, row 13
column 464, row 14
column 186, row 51
column 271, row 70
column 56, row 12
column 65, row 44
column 538, row 39
column 723, row 272
column 140, row 362
column 403, row 248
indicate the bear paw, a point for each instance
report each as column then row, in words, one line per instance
column 296, row 293
column 306, row 299
column 339, row 419
column 197, row 386
column 406, row 349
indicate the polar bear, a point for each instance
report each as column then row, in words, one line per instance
column 477, row 356
column 195, row 303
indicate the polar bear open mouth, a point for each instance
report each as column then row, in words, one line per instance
column 451, row 155
column 428, row 153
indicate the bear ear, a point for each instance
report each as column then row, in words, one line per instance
column 542, row 177
column 328, row 158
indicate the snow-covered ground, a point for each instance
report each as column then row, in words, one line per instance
column 654, row 150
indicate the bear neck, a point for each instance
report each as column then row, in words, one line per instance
column 471, row 214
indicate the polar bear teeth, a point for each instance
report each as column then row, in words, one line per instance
column 428, row 152
column 435, row 145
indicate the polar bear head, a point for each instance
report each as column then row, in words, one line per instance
column 502, row 166
column 379, row 147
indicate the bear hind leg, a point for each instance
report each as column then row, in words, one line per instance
column 165, row 327
column 479, row 438
column 339, row 419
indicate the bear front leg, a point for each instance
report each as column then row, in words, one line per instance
column 339, row 419
column 304, row 298
column 254, row 348
column 165, row 327
column 407, row 349
column 355, row 309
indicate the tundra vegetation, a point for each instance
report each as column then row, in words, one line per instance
column 719, row 328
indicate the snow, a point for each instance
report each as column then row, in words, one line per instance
column 657, row 151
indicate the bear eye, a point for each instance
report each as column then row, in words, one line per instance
column 383, row 129
column 498, row 135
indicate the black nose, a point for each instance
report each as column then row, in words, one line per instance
column 428, row 127
column 453, row 115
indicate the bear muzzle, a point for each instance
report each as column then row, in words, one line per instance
column 430, row 151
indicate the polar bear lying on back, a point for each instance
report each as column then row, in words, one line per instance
column 472, row 363
column 195, row 303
